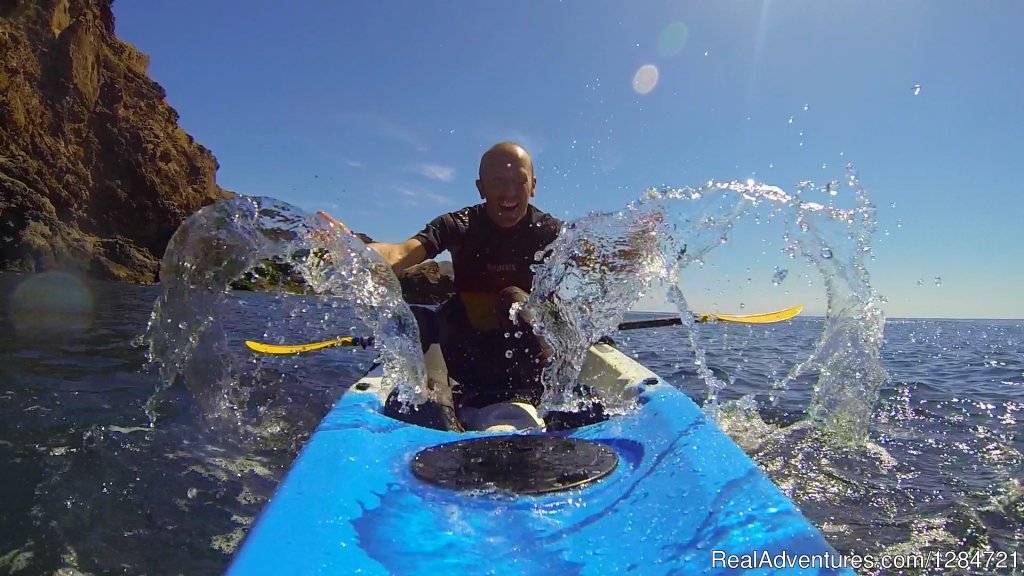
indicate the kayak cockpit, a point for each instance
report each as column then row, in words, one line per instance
column 612, row 380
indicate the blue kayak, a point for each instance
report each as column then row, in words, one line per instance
column 658, row 490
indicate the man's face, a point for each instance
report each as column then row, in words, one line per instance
column 506, row 185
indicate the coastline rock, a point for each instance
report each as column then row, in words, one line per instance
column 95, row 173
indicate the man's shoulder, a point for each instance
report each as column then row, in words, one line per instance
column 545, row 221
column 461, row 217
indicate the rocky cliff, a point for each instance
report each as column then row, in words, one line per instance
column 95, row 174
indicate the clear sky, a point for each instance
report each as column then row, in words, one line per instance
column 378, row 111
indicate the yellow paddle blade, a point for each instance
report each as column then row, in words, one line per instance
column 765, row 318
column 300, row 348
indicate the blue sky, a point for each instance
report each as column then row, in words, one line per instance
column 378, row 111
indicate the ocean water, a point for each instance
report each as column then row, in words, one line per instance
column 106, row 470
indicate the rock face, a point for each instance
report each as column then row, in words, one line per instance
column 95, row 174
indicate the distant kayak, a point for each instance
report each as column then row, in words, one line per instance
column 658, row 490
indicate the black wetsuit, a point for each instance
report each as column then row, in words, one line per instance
column 492, row 267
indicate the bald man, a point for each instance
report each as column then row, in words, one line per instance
column 493, row 245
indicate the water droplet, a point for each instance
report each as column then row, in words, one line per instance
column 826, row 253
column 518, row 334
column 508, row 353
column 899, row 223
column 806, row 107
column 938, row 281
column 892, row 205
column 705, row 52
column 192, row 492
column 742, row 305
column 790, row 119
column 779, row 276
column 916, row 89
column 920, row 283
column 183, row 325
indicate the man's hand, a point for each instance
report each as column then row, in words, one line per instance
column 398, row 256
column 506, row 299
column 323, row 235
column 333, row 222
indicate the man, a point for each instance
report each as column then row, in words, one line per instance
column 493, row 360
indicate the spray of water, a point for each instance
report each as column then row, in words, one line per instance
column 220, row 243
column 847, row 354
column 602, row 264
column 597, row 269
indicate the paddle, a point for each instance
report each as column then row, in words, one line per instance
column 300, row 348
column 764, row 318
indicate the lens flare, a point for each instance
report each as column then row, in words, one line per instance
column 645, row 79
column 51, row 304
column 673, row 39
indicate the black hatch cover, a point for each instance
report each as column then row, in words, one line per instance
column 518, row 464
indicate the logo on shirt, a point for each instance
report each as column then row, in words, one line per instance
column 501, row 268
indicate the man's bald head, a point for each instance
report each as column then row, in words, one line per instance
column 504, row 152
column 506, row 183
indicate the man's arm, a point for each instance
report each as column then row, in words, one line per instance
column 398, row 256
column 403, row 255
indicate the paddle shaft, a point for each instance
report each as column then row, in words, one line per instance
column 654, row 323
column 766, row 318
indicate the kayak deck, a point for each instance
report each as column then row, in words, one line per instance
column 682, row 496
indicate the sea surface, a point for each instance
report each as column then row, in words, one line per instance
column 107, row 471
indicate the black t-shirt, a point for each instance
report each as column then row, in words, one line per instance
column 486, row 257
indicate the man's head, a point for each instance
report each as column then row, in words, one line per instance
column 506, row 183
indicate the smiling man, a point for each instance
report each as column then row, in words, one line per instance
column 494, row 361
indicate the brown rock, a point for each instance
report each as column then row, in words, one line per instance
column 95, row 174
column 430, row 282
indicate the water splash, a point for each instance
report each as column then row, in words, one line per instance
column 223, row 241
column 779, row 276
column 586, row 284
column 602, row 264
column 846, row 356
